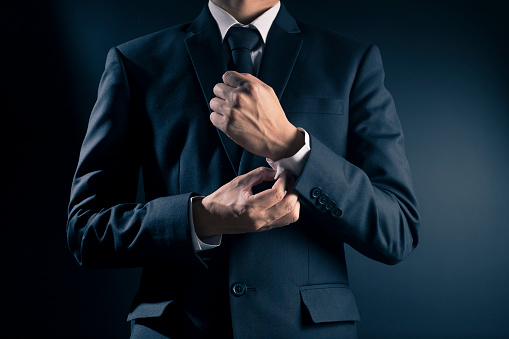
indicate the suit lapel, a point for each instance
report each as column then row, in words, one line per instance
column 206, row 52
column 281, row 52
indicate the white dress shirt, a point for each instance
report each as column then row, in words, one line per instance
column 294, row 163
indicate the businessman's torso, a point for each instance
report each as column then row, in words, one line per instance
column 295, row 276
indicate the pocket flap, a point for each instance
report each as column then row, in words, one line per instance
column 148, row 310
column 330, row 303
column 312, row 105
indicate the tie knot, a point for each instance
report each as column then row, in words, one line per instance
column 242, row 38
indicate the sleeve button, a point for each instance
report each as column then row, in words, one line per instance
column 324, row 198
column 337, row 212
column 330, row 205
column 316, row 192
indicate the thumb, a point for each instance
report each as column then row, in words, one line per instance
column 233, row 79
column 257, row 176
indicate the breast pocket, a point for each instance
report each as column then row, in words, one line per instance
column 324, row 118
column 312, row 105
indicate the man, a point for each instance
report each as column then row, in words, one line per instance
column 225, row 251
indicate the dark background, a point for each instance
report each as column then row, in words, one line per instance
column 446, row 65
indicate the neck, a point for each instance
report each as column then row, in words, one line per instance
column 245, row 11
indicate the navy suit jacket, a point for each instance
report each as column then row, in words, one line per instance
column 152, row 113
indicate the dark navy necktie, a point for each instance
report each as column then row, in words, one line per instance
column 242, row 41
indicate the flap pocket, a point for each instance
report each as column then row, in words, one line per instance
column 148, row 310
column 312, row 105
column 328, row 303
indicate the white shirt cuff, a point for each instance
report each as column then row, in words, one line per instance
column 205, row 243
column 295, row 163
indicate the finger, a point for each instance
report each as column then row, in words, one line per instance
column 287, row 219
column 256, row 176
column 234, row 79
column 218, row 120
column 270, row 197
column 289, row 179
column 219, row 106
column 282, row 208
column 222, row 91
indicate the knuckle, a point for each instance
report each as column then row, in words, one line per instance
column 234, row 97
column 265, row 87
column 269, row 219
column 229, row 113
column 241, row 98
column 248, row 87
column 279, row 195
column 261, row 170
column 239, row 210
column 250, row 211
column 290, row 207
column 241, row 180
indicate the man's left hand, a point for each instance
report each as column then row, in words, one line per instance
column 248, row 111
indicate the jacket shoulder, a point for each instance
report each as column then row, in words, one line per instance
column 152, row 43
column 335, row 42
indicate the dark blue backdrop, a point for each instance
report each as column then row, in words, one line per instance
column 446, row 65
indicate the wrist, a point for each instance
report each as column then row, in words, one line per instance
column 292, row 145
column 202, row 219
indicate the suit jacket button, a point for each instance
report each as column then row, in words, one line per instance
column 324, row 198
column 316, row 192
column 330, row 205
column 337, row 212
column 238, row 289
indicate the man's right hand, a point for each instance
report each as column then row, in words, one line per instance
column 234, row 209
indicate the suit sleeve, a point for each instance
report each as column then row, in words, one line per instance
column 105, row 227
column 365, row 198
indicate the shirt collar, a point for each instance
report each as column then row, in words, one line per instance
column 262, row 23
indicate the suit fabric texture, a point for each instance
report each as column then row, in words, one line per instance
column 152, row 114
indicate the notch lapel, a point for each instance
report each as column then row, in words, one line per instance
column 279, row 57
column 206, row 52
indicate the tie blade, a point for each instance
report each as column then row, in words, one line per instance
column 242, row 61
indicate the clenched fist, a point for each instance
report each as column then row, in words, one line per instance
column 248, row 111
